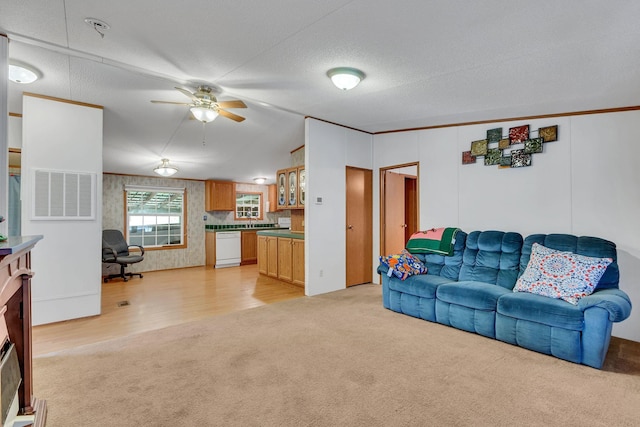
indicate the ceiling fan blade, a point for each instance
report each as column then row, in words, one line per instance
column 231, row 104
column 171, row 102
column 231, row 116
column 187, row 93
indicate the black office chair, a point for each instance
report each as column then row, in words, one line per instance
column 115, row 250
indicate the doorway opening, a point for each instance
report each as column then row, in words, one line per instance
column 399, row 206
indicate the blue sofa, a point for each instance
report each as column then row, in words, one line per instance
column 472, row 290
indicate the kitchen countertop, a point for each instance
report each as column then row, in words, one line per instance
column 282, row 233
column 244, row 229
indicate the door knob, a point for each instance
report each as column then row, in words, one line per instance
column 404, row 226
column 350, row 227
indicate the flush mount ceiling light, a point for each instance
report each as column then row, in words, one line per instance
column 21, row 73
column 260, row 180
column 204, row 114
column 165, row 169
column 345, row 78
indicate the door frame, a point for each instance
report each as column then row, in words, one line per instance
column 382, row 197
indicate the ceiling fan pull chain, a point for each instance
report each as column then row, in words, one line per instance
column 203, row 134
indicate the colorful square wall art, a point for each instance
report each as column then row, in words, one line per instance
column 494, row 135
column 519, row 134
column 503, row 144
column 549, row 133
column 533, row 145
column 479, row 148
column 520, row 159
column 492, row 157
column 467, row 158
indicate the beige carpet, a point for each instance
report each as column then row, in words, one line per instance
column 339, row 359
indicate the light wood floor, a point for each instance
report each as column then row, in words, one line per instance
column 165, row 298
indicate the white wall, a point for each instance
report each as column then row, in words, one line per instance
column 66, row 137
column 329, row 149
column 583, row 184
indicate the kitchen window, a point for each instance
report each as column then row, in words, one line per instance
column 156, row 217
column 248, row 206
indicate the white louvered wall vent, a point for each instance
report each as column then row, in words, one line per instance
column 61, row 195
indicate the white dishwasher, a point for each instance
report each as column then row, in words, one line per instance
column 227, row 249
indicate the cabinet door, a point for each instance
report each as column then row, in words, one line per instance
column 210, row 248
column 281, row 183
column 263, row 255
column 284, row 259
column 273, row 198
column 219, row 196
column 292, row 188
column 297, row 261
column 249, row 247
column 302, row 187
column 272, row 256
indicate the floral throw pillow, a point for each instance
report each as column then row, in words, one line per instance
column 562, row 275
column 403, row 265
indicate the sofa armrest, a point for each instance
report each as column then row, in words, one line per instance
column 383, row 269
column 615, row 301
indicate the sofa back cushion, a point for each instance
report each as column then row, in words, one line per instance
column 492, row 257
column 582, row 245
column 446, row 266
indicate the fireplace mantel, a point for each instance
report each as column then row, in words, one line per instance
column 15, row 301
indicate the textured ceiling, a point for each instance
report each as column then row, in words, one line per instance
column 427, row 63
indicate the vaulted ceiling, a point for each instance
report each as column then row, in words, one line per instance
column 426, row 62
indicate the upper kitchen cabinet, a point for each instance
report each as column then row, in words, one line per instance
column 281, row 188
column 302, row 186
column 219, row 196
column 291, row 185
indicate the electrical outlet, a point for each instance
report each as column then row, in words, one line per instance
column 204, row 217
column 321, row 273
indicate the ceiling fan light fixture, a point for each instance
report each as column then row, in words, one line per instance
column 260, row 180
column 165, row 169
column 345, row 78
column 205, row 115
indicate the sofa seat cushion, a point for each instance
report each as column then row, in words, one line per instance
column 476, row 295
column 541, row 309
column 423, row 285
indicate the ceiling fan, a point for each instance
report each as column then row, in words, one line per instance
column 205, row 107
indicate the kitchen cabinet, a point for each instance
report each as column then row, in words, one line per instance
column 210, row 248
column 268, row 255
column 282, row 258
column 249, row 247
column 291, row 188
column 302, row 186
column 281, row 184
column 273, row 198
column 285, row 251
column 219, row 196
column 262, row 255
column 297, row 262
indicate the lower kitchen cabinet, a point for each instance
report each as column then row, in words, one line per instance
column 281, row 257
column 297, row 262
column 210, row 248
column 268, row 255
column 249, row 245
column 285, row 251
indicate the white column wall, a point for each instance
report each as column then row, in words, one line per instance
column 67, row 261
column 582, row 184
column 329, row 149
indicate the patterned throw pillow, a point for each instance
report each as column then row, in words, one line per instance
column 562, row 275
column 403, row 265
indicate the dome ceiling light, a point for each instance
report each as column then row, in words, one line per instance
column 21, row 73
column 345, row 78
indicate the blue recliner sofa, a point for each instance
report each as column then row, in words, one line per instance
column 472, row 290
